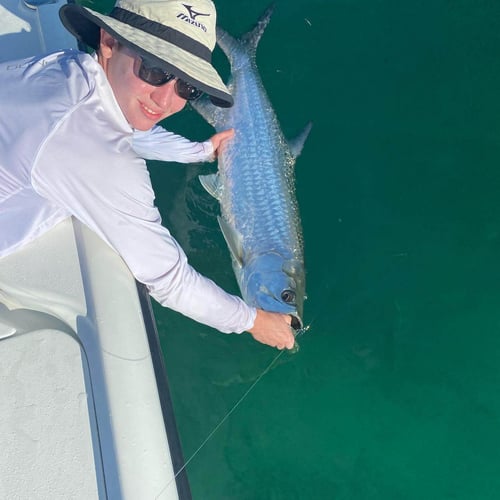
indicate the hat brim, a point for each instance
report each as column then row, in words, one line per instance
column 85, row 25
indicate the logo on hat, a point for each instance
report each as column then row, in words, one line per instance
column 191, row 19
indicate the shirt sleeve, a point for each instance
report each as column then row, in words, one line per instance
column 160, row 144
column 88, row 167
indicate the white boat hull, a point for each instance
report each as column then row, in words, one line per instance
column 84, row 401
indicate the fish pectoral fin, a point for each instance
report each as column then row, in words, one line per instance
column 211, row 184
column 233, row 239
column 297, row 144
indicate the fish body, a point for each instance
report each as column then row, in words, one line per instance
column 255, row 185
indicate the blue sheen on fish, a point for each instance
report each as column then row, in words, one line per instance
column 255, row 185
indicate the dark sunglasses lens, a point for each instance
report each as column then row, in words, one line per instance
column 153, row 75
column 157, row 77
column 187, row 91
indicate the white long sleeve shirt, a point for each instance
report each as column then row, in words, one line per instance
column 67, row 149
column 160, row 144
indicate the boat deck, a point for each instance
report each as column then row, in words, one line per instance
column 84, row 402
column 27, row 29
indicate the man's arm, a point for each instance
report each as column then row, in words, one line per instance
column 160, row 144
column 108, row 188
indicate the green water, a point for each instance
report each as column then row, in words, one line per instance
column 395, row 391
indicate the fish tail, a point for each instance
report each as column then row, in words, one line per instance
column 252, row 38
column 249, row 41
column 226, row 42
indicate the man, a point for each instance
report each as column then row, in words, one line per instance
column 66, row 146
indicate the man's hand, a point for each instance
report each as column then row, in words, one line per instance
column 273, row 329
column 220, row 139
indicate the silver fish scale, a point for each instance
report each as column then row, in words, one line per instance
column 259, row 169
column 255, row 185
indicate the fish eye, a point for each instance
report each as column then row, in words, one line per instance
column 288, row 296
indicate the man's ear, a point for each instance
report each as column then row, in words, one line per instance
column 107, row 44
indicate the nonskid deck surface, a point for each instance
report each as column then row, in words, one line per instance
column 27, row 30
column 77, row 382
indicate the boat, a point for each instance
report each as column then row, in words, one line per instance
column 86, row 410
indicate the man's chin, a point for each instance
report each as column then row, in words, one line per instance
column 143, row 128
column 143, row 124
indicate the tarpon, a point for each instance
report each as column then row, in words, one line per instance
column 255, row 185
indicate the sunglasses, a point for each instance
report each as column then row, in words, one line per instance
column 156, row 76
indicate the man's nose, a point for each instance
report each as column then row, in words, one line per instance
column 166, row 97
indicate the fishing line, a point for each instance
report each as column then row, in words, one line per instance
column 233, row 409
column 345, row 307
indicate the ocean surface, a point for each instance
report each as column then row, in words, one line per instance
column 395, row 391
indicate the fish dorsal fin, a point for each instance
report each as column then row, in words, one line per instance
column 297, row 144
column 211, row 184
column 233, row 239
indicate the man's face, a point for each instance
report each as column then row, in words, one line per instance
column 143, row 105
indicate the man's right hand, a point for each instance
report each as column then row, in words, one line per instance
column 273, row 329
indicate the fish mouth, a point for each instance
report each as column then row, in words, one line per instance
column 296, row 322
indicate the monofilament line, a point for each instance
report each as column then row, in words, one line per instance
column 231, row 411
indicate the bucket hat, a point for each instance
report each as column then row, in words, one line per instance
column 177, row 36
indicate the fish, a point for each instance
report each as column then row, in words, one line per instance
column 255, row 184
